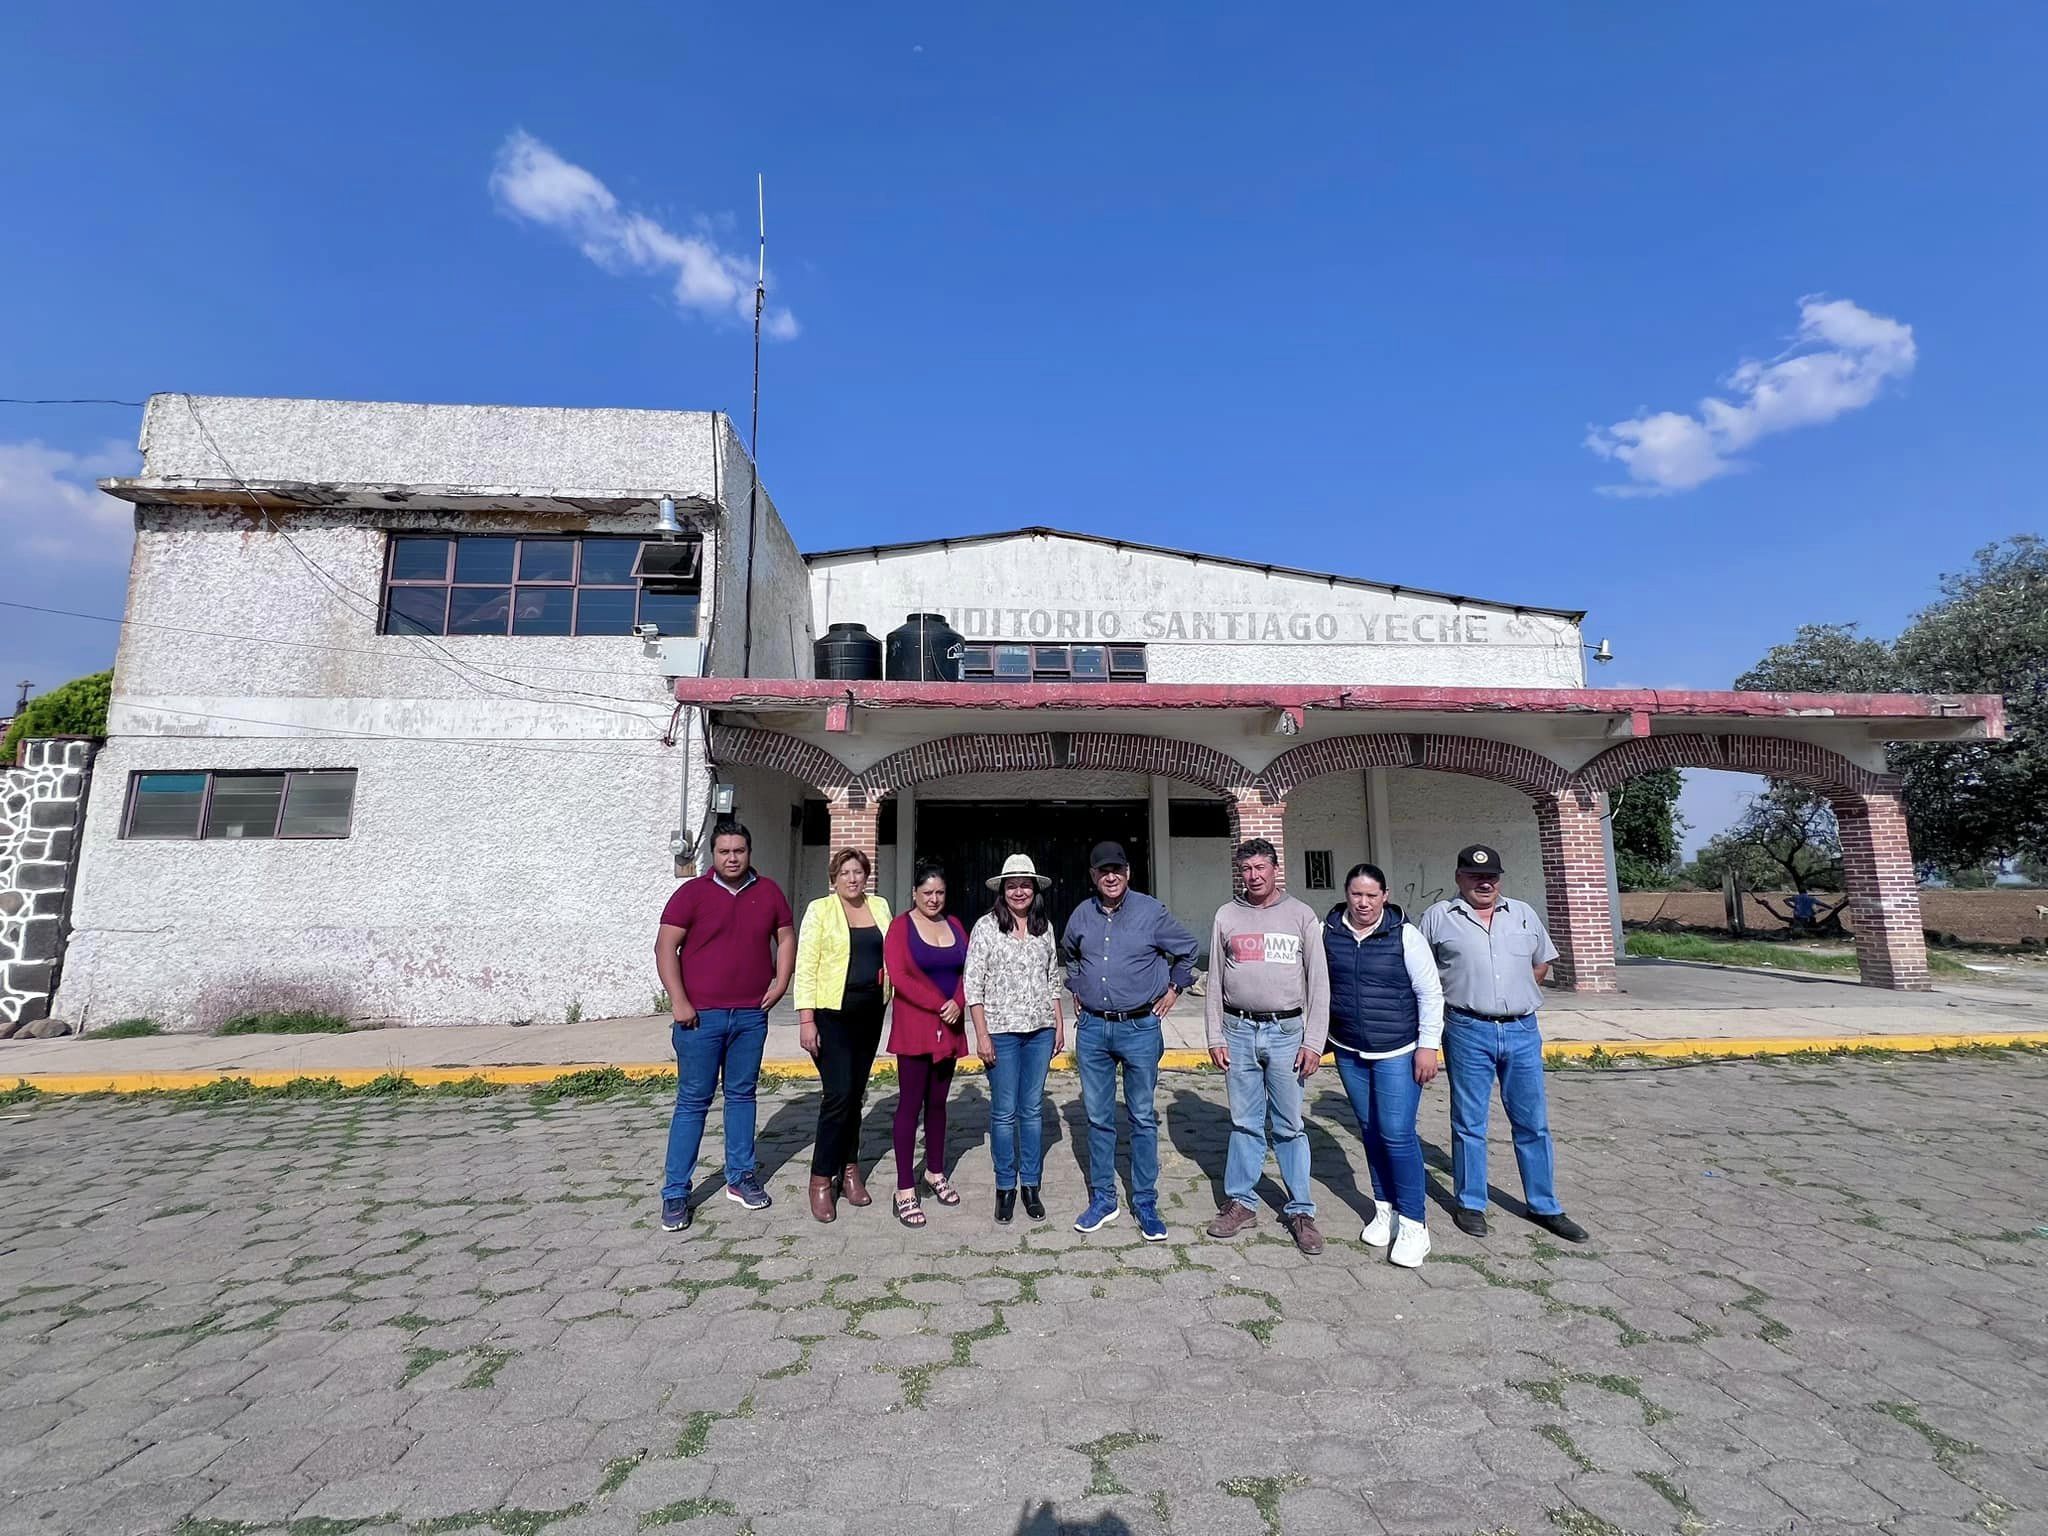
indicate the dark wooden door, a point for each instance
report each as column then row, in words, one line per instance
column 972, row 838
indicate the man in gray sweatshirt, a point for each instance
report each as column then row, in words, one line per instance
column 1268, row 1014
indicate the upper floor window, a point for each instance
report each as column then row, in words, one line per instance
column 293, row 803
column 1018, row 663
column 493, row 584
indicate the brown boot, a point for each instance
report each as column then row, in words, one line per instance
column 1232, row 1219
column 1307, row 1237
column 854, row 1187
column 823, row 1205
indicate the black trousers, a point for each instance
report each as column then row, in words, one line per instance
column 848, row 1038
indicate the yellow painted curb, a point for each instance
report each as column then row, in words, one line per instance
column 530, row 1074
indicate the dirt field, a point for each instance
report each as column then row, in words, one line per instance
column 1984, row 917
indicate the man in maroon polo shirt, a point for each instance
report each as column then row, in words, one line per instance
column 725, row 951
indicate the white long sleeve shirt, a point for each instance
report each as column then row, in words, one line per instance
column 1420, row 960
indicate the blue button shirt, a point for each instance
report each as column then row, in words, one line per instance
column 1119, row 961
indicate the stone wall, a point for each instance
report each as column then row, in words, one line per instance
column 41, row 805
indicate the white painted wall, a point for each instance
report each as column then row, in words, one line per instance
column 1432, row 815
column 478, row 884
column 1201, row 620
column 1329, row 813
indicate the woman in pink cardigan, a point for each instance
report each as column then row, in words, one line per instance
column 926, row 956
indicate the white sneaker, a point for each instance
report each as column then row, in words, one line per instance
column 1411, row 1245
column 1380, row 1230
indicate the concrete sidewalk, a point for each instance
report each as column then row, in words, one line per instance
column 1665, row 1006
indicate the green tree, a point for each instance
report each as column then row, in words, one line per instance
column 1794, row 830
column 1824, row 658
column 1723, row 854
column 1647, row 828
column 1974, row 802
column 77, row 708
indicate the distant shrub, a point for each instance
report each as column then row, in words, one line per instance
column 125, row 1029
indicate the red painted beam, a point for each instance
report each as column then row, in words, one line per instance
column 1640, row 703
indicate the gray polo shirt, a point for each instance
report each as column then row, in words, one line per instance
column 1488, row 970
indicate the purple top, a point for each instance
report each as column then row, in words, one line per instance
column 943, row 966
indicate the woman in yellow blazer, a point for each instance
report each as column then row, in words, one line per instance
column 841, row 992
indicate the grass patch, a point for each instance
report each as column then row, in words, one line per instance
column 489, row 1362
column 294, row 1021
column 507, row 1522
column 1102, row 1479
column 589, row 1083
column 1761, row 955
column 687, row 1509
column 1574, row 1521
column 23, row 1092
column 616, row 1471
column 422, row 1360
column 1264, row 1492
column 125, row 1029
column 1669, row 1491
column 1947, row 1448
column 1557, row 1436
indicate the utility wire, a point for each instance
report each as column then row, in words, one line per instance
column 483, row 743
column 318, row 645
column 13, row 400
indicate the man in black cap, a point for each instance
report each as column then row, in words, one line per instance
column 1128, row 960
column 1493, row 955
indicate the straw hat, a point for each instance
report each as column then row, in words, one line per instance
column 1018, row 866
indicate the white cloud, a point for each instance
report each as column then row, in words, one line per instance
column 50, row 506
column 534, row 183
column 1839, row 360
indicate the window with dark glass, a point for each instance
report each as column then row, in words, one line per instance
column 1054, row 663
column 289, row 803
column 1320, row 876
column 499, row 584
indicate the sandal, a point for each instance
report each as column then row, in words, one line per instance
column 942, row 1192
column 909, row 1212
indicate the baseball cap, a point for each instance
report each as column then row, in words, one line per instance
column 1102, row 855
column 1478, row 859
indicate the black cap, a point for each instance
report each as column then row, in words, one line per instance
column 1479, row 860
column 1102, row 855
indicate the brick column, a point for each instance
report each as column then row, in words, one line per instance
column 1255, row 813
column 1884, row 895
column 855, row 821
column 1575, row 887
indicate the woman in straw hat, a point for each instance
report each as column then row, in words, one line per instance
column 1013, row 984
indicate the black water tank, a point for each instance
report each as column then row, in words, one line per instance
column 924, row 648
column 847, row 653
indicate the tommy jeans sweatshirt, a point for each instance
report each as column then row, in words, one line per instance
column 1269, row 959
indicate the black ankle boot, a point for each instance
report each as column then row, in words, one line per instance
column 1033, row 1206
column 1006, row 1204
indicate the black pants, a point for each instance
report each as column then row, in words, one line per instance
column 848, row 1038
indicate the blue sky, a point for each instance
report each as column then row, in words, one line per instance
column 1348, row 292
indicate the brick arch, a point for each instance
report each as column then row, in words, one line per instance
column 1776, row 757
column 1502, row 761
column 1042, row 751
column 746, row 747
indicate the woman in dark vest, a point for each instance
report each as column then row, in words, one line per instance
column 1386, row 1022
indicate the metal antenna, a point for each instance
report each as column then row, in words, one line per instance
column 22, row 703
column 754, row 426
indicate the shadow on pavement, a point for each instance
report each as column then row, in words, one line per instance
column 1045, row 1521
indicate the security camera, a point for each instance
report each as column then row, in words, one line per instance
column 647, row 631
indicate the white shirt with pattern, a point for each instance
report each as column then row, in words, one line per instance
column 1015, row 980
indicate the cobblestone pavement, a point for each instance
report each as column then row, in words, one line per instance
column 1813, row 1302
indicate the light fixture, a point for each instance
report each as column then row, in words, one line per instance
column 1602, row 653
column 666, row 521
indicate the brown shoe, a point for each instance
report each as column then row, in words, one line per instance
column 1232, row 1219
column 1306, row 1237
column 823, row 1204
column 854, row 1187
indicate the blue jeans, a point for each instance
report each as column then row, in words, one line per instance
column 1100, row 1047
column 1016, row 1115
column 727, row 1042
column 1385, row 1097
column 1477, row 1052
column 1263, row 1084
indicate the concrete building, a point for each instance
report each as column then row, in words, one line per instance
column 418, row 717
column 384, row 738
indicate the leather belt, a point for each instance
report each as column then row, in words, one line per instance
column 1112, row 1016
column 1263, row 1018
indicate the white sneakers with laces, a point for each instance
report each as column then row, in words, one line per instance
column 1380, row 1230
column 1411, row 1244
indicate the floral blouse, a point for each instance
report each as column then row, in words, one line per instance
column 1016, row 981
